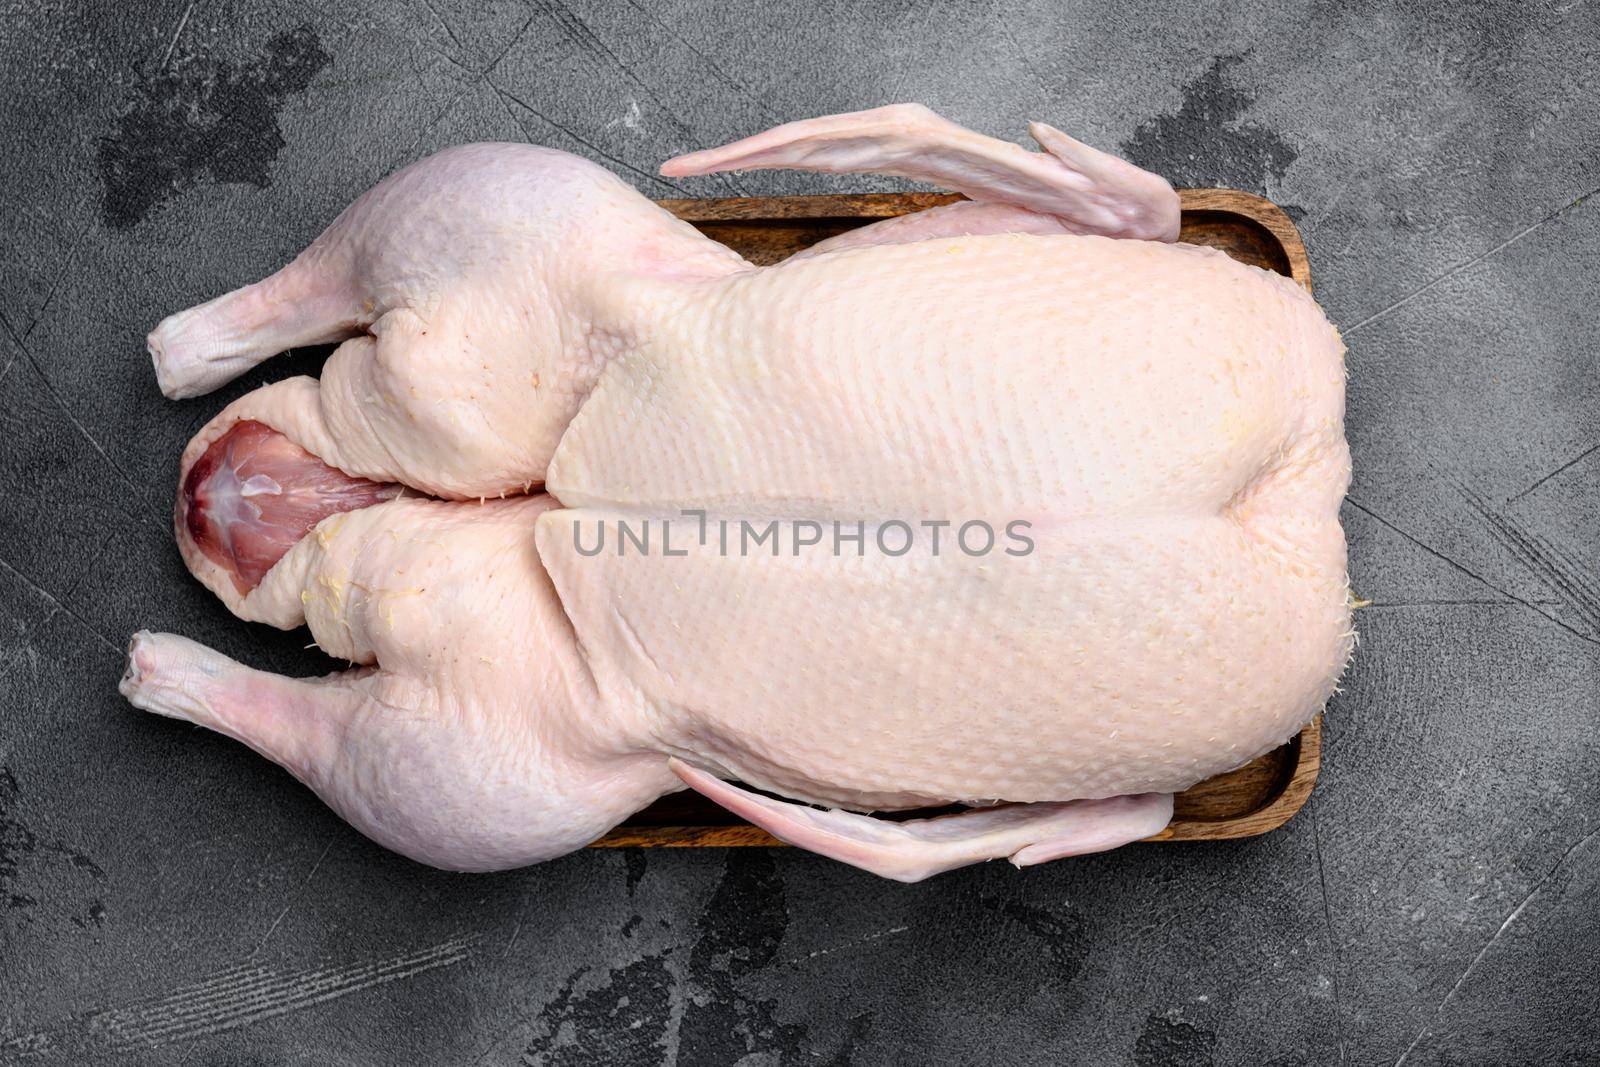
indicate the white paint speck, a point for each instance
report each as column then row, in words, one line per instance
column 632, row 119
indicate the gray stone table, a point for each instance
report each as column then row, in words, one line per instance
column 168, row 897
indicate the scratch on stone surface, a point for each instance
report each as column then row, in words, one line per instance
column 1568, row 465
column 404, row 155
column 55, row 284
column 412, row 34
column 584, row 36
column 489, row 67
column 172, row 45
column 439, row 53
column 930, row 12
column 858, row 942
column 1480, row 579
column 1550, row 563
column 1333, row 942
column 1312, row 223
column 231, row 998
column 59, row 606
column 294, row 898
column 92, row 562
column 1484, row 951
column 718, row 71
column 1475, row 260
column 434, row 11
column 512, row 940
column 505, row 95
column 1017, row 51
column 50, row 389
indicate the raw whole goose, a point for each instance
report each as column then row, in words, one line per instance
column 537, row 361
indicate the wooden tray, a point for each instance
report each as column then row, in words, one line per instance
column 1260, row 796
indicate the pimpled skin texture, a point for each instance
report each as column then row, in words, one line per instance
column 465, row 357
column 1184, row 607
column 1166, row 425
column 456, row 751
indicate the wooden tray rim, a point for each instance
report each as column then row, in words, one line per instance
column 1258, row 209
column 1306, row 760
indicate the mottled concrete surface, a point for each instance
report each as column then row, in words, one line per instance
column 167, row 897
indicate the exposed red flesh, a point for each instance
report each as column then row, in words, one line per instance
column 254, row 494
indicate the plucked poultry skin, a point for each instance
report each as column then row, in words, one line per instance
column 1164, row 423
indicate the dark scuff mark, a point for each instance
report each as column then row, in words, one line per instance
column 94, row 916
column 1204, row 144
column 855, row 1033
column 1062, row 936
column 80, row 861
column 740, row 931
column 963, row 931
column 207, row 117
column 623, row 1021
column 1168, row 1041
column 636, row 863
column 16, row 841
